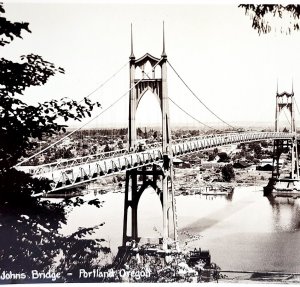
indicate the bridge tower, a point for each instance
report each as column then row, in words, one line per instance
column 285, row 101
column 159, row 177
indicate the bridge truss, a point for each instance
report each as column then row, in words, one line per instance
column 73, row 172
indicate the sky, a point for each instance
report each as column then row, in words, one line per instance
column 213, row 47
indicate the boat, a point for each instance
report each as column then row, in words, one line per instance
column 217, row 190
column 195, row 190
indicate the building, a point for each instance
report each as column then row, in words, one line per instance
column 267, row 164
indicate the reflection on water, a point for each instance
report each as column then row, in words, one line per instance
column 244, row 231
column 228, row 196
column 286, row 213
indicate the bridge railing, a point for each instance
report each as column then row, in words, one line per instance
column 76, row 175
column 198, row 142
column 79, row 170
column 66, row 163
column 207, row 142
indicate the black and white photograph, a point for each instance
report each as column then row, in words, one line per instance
column 149, row 142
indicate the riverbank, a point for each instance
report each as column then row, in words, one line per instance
column 258, row 277
column 252, row 177
column 189, row 180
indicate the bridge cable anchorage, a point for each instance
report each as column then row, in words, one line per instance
column 76, row 130
column 199, row 98
column 190, row 115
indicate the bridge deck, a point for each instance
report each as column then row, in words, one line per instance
column 69, row 173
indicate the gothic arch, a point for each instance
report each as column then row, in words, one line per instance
column 147, row 89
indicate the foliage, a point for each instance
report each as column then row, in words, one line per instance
column 28, row 225
column 159, row 268
column 211, row 157
column 107, row 148
column 223, row 157
column 259, row 15
column 84, row 252
column 264, row 144
column 256, row 147
column 120, row 145
column 249, row 157
column 285, row 130
column 10, row 30
column 30, row 238
column 100, row 132
column 228, row 172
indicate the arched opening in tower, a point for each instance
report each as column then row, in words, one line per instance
column 149, row 118
column 150, row 215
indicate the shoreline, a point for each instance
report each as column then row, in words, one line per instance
column 235, row 276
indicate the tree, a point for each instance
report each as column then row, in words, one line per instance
column 249, row 156
column 107, row 148
column 255, row 146
column 263, row 17
column 120, row 145
column 237, row 156
column 211, row 156
column 241, row 146
column 223, row 157
column 29, row 226
column 228, row 172
column 139, row 132
column 285, row 130
column 264, row 144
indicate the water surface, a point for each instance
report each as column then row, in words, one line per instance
column 244, row 232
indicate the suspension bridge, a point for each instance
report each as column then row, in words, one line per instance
column 155, row 163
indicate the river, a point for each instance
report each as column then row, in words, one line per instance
column 245, row 232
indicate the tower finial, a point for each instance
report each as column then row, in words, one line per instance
column 131, row 55
column 164, row 51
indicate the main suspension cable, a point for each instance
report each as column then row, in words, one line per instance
column 287, row 117
column 190, row 115
column 105, row 82
column 286, row 114
column 199, row 98
column 297, row 106
column 76, row 130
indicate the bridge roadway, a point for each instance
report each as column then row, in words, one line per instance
column 76, row 171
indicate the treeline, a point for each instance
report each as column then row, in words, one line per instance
column 101, row 132
column 112, row 132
